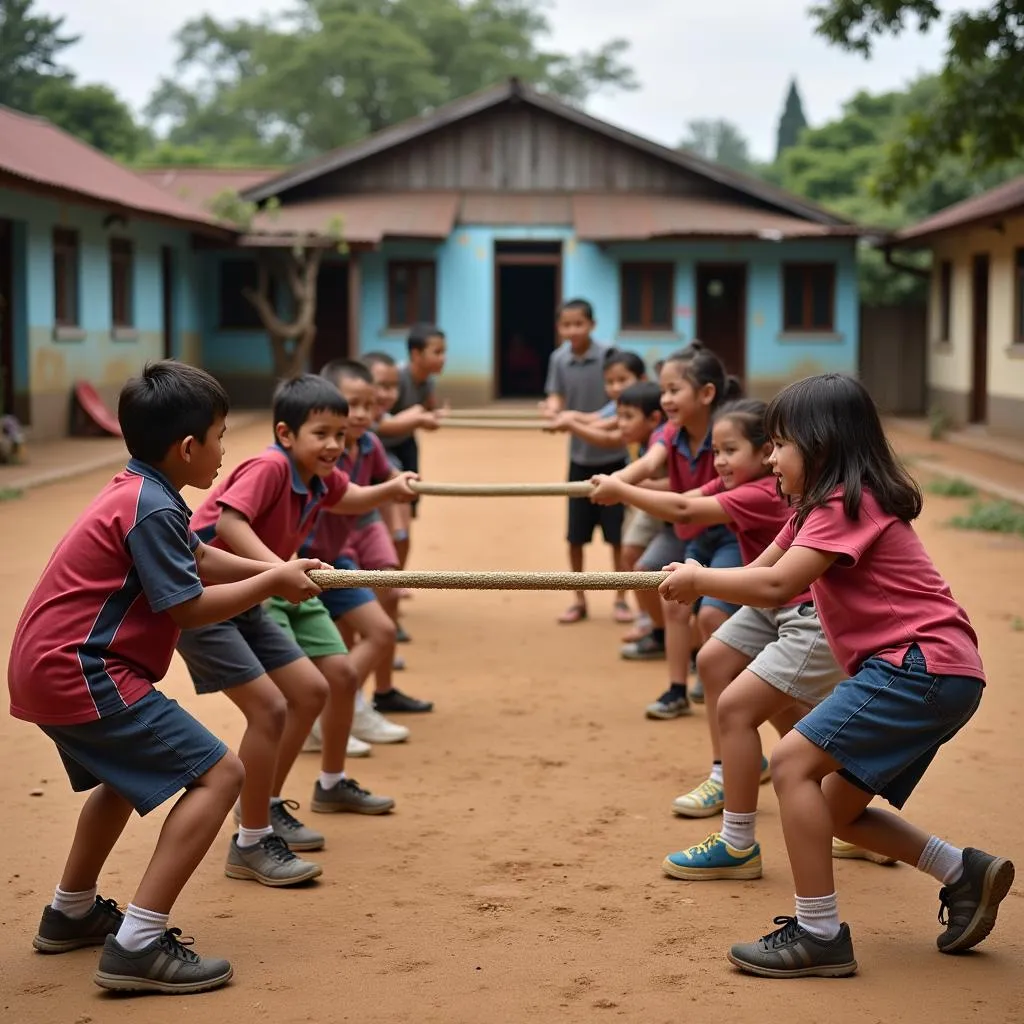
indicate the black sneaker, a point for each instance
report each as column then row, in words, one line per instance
column 968, row 908
column 395, row 702
column 645, row 649
column 59, row 933
column 167, row 966
column 791, row 952
column 401, row 637
column 671, row 704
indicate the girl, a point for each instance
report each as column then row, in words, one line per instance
column 693, row 384
column 915, row 675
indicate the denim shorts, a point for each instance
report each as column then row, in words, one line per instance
column 145, row 753
column 309, row 624
column 232, row 653
column 346, row 599
column 886, row 724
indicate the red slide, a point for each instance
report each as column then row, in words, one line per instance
column 90, row 403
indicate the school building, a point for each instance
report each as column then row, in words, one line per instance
column 482, row 216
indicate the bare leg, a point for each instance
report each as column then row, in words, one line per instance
column 648, row 601
column 576, row 565
column 388, row 599
column 619, row 565
column 717, row 665
column 375, row 650
column 336, row 718
column 305, row 691
column 265, row 710
column 403, row 522
column 100, row 823
column 677, row 640
column 709, row 619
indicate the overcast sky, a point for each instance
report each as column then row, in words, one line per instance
column 728, row 58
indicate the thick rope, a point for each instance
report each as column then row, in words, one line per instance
column 496, row 414
column 453, row 423
column 340, row 579
column 582, row 489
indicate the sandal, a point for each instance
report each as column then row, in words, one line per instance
column 573, row 614
column 623, row 613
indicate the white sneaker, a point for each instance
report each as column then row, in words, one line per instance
column 357, row 748
column 314, row 741
column 372, row 727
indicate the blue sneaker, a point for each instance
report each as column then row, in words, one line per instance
column 714, row 858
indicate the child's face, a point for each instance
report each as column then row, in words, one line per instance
column 737, row 461
column 318, row 443
column 616, row 379
column 361, row 396
column 575, row 327
column 787, row 464
column 430, row 361
column 635, row 427
column 679, row 398
column 204, row 458
column 385, row 380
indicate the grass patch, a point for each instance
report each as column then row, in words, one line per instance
column 10, row 493
column 1017, row 624
column 992, row 517
column 952, row 487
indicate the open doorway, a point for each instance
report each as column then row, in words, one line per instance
column 979, row 338
column 332, row 318
column 722, row 312
column 527, row 293
column 6, row 317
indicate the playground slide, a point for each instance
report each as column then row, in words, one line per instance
column 90, row 403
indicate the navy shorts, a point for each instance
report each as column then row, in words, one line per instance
column 346, row 599
column 886, row 724
column 235, row 652
column 145, row 753
column 585, row 516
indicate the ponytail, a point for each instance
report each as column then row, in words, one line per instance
column 700, row 366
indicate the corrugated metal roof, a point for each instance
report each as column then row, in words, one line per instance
column 33, row 150
column 1006, row 198
column 621, row 218
column 524, row 208
column 198, row 185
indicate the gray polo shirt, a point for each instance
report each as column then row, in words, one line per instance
column 580, row 382
column 410, row 393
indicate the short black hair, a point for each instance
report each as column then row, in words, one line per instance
column 338, row 370
column 580, row 306
column 645, row 395
column 297, row 398
column 372, row 359
column 420, row 336
column 166, row 403
column 623, row 357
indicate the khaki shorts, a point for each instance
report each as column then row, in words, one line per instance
column 787, row 650
column 640, row 528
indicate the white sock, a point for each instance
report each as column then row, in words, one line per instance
column 943, row 862
column 74, row 904
column 251, row 836
column 738, row 829
column 360, row 701
column 328, row 780
column 819, row 916
column 140, row 928
column 716, row 773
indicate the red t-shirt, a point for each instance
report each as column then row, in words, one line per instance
column 883, row 593
column 686, row 470
column 280, row 506
column 95, row 634
column 756, row 514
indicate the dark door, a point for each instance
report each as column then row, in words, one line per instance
column 331, row 314
column 527, row 293
column 6, row 317
column 979, row 339
column 167, row 298
column 722, row 312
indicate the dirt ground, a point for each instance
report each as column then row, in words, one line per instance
column 519, row 879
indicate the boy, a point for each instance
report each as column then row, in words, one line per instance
column 265, row 508
column 576, row 382
column 97, row 632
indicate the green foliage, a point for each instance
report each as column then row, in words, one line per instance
column 1017, row 624
column 30, row 47
column 791, row 123
column 719, row 141
column 93, row 113
column 992, row 517
column 939, row 422
column 952, row 487
column 10, row 493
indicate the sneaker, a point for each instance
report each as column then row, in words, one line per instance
column 714, row 858
column 269, row 862
column 398, row 665
column 290, row 829
column 968, row 908
column 645, row 649
column 696, row 691
column 706, row 800
column 59, row 933
column 372, row 727
column 669, row 705
column 396, row 703
column 314, row 741
column 401, row 637
column 348, row 795
column 790, row 952
column 357, row 748
column 167, row 966
column 847, row 851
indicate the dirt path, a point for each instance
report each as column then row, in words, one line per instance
column 519, row 878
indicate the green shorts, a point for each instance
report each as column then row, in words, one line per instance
column 309, row 624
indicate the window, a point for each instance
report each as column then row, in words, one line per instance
column 65, row 277
column 945, row 299
column 1019, row 292
column 122, row 311
column 809, row 291
column 412, row 289
column 647, row 296
column 237, row 313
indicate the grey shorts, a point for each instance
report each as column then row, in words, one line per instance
column 238, row 651
column 787, row 650
column 640, row 528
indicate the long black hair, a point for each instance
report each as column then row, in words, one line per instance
column 700, row 366
column 833, row 422
column 749, row 415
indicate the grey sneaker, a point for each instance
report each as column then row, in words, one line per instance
column 790, row 952
column 968, row 908
column 671, row 704
column 167, row 966
column 290, row 829
column 269, row 862
column 645, row 649
column 348, row 795
column 59, row 933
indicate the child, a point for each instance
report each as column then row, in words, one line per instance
column 266, row 507
column 693, row 385
column 915, row 675
column 96, row 634
column 575, row 382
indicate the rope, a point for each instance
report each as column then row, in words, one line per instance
column 452, row 422
column 496, row 414
column 582, row 489
column 340, row 579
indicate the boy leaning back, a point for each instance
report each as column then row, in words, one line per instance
column 98, row 631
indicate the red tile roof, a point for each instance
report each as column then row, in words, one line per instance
column 1006, row 198
column 198, row 185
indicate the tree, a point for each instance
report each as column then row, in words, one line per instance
column 93, row 113
column 977, row 112
column 30, row 45
column 792, row 122
column 328, row 72
column 719, row 141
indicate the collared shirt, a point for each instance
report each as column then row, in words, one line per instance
column 579, row 380
column 687, row 469
column 95, row 634
column 410, row 393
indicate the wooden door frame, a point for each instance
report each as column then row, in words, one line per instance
column 518, row 259
column 978, row 400
column 744, row 265
column 7, row 394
